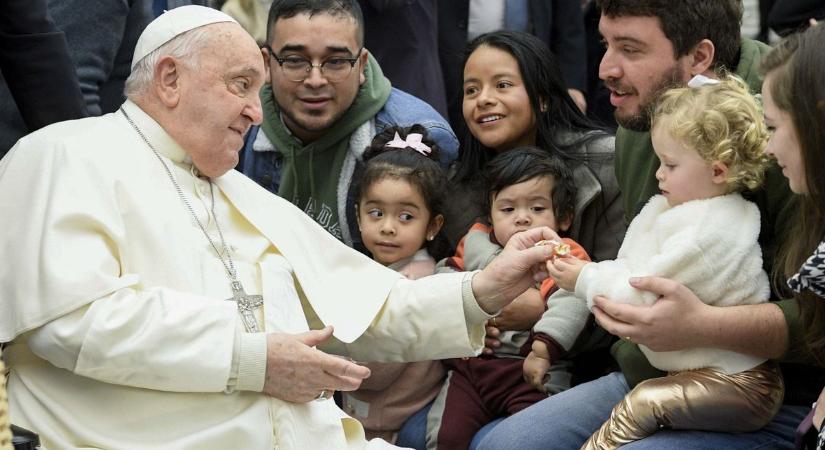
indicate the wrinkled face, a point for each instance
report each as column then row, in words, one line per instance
column 683, row 175
column 394, row 220
column 783, row 144
column 496, row 106
column 310, row 107
column 219, row 99
column 638, row 66
column 523, row 206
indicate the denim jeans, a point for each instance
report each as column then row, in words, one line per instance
column 413, row 433
column 565, row 421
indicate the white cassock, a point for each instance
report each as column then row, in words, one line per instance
column 114, row 300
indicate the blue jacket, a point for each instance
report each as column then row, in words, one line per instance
column 261, row 162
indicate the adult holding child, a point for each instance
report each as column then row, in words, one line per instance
column 514, row 96
column 653, row 45
column 794, row 102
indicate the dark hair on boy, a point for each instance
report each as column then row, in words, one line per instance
column 686, row 22
column 526, row 163
column 555, row 112
column 422, row 171
column 285, row 9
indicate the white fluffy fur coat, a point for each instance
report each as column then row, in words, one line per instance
column 708, row 245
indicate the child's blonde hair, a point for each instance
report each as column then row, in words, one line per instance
column 722, row 122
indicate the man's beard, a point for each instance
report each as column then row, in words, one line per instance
column 641, row 122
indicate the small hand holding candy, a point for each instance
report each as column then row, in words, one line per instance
column 562, row 267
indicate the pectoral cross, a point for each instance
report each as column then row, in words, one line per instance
column 247, row 304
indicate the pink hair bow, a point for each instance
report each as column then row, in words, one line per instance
column 413, row 141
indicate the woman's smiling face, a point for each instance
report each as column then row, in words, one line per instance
column 496, row 106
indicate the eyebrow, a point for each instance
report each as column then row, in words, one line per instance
column 630, row 40
column 250, row 70
column 530, row 199
column 301, row 48
column 497, row 76
column 376, row 202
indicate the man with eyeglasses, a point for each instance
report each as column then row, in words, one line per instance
column 326, row 99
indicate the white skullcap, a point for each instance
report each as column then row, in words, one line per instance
column 173, row 23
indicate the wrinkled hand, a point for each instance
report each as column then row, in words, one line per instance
column 674, row 322
column 565, row 271
column 514, row 270
column 297, row 372
column 536, row 365
column 491, row 340
column 819, row 411
column 520, row 315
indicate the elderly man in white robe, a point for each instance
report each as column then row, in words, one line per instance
column 153, row 298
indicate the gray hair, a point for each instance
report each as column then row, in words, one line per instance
column 185, row 47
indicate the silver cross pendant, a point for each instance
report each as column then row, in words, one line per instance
column 247, row 304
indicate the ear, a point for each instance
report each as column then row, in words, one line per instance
column 167, row 81
column 265, row 54
column 701, row 57
column 363, row 58
column 435, row 226
column 720, row 172
column 565, row 223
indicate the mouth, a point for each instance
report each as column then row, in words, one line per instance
column 617, row 98
column 315, row 102
column 387, row 245
column 618, row 94
column 489, row 118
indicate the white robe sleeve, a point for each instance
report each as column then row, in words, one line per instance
column 430, row 318
column 158, row 339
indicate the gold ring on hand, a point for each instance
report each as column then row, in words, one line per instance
column 494, row 322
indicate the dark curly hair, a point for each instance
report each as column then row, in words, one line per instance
column 423, row 172
column 525, row 163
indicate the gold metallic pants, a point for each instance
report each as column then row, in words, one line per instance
column 703, row 399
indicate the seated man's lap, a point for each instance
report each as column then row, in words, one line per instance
column 563, row 421
column 566, row 420
column 779, row 434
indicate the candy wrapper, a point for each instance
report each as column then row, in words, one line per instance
column 559, row 248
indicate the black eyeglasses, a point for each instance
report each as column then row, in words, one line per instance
column 296, row 68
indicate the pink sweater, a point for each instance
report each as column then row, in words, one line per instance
column 395, row 391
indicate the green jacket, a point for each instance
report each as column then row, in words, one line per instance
column 311, row 171
column 636, row 165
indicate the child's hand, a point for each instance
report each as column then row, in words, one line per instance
column 536, row 365
column 565, row 271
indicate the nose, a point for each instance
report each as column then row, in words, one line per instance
column 387, row 227
column 660, row 173
column 254, row 111
column 486, row 97
column 315, row 79
column 609, row 67
column 769, row 148
column 523, row 218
